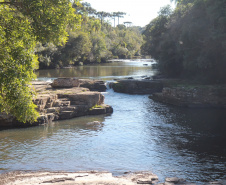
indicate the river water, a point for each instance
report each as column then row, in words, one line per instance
column 140, row 135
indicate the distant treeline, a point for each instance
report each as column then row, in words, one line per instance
column 94, row 41
column 190, row 42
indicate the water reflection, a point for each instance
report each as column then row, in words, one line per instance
column 194, row 140
column 107, row 71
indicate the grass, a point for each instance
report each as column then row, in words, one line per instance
column 96, row 106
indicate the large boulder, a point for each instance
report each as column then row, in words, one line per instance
column 87, row 98
column 65, row 83
column 93, row 85
column 137, row 86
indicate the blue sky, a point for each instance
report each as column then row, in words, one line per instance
column 139, row 12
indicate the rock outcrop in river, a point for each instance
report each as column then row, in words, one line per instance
column 204, row 96
column 132, row 86
column 66, row 100
column 175, row 92
column 92, row 85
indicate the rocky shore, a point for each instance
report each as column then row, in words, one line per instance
column 90, row 178
column 65, row 98
column 175, row 92
column 193, row 97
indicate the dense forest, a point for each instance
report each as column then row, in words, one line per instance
column 95, row 41
column 187, row 42
column 190, row 42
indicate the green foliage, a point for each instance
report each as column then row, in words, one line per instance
column 76, row 49
column 96, row 107
column 22, row 24
column 98, row 46
column 127, row 42
column 190, row 42
column 46, row 53
column 96, row 41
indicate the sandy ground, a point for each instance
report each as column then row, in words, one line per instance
column 76, row 178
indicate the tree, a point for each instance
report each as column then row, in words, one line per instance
column 98, row 46
column 84, row 8
column 23, row 24
column 119, row 15
column 77, row 48
column 94, row 42
column 95, row 25
column 102, row 15
column 127, row 23
column 190, row 42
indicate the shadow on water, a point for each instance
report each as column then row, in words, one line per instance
column 194, row 140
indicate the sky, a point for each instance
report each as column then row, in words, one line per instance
column 139, row 12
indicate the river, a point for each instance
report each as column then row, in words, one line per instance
column 141, row 134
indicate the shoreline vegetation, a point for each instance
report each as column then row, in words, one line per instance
column 96, row 41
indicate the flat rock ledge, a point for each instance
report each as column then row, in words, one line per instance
column 205, row 96
column 62, row 103
column 89, row 178
column 133, row 86
column 92, row 85
column 175, row 92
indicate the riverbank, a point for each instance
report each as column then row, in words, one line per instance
column 176, row 92
column 90, row 178
column 65, row 98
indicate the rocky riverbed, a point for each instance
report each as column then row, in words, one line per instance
column 64, row 99
column 194, row 97
column 175, row 92
column 90, row 178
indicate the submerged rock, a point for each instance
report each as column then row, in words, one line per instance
column 93, row 123
column 174, row 180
